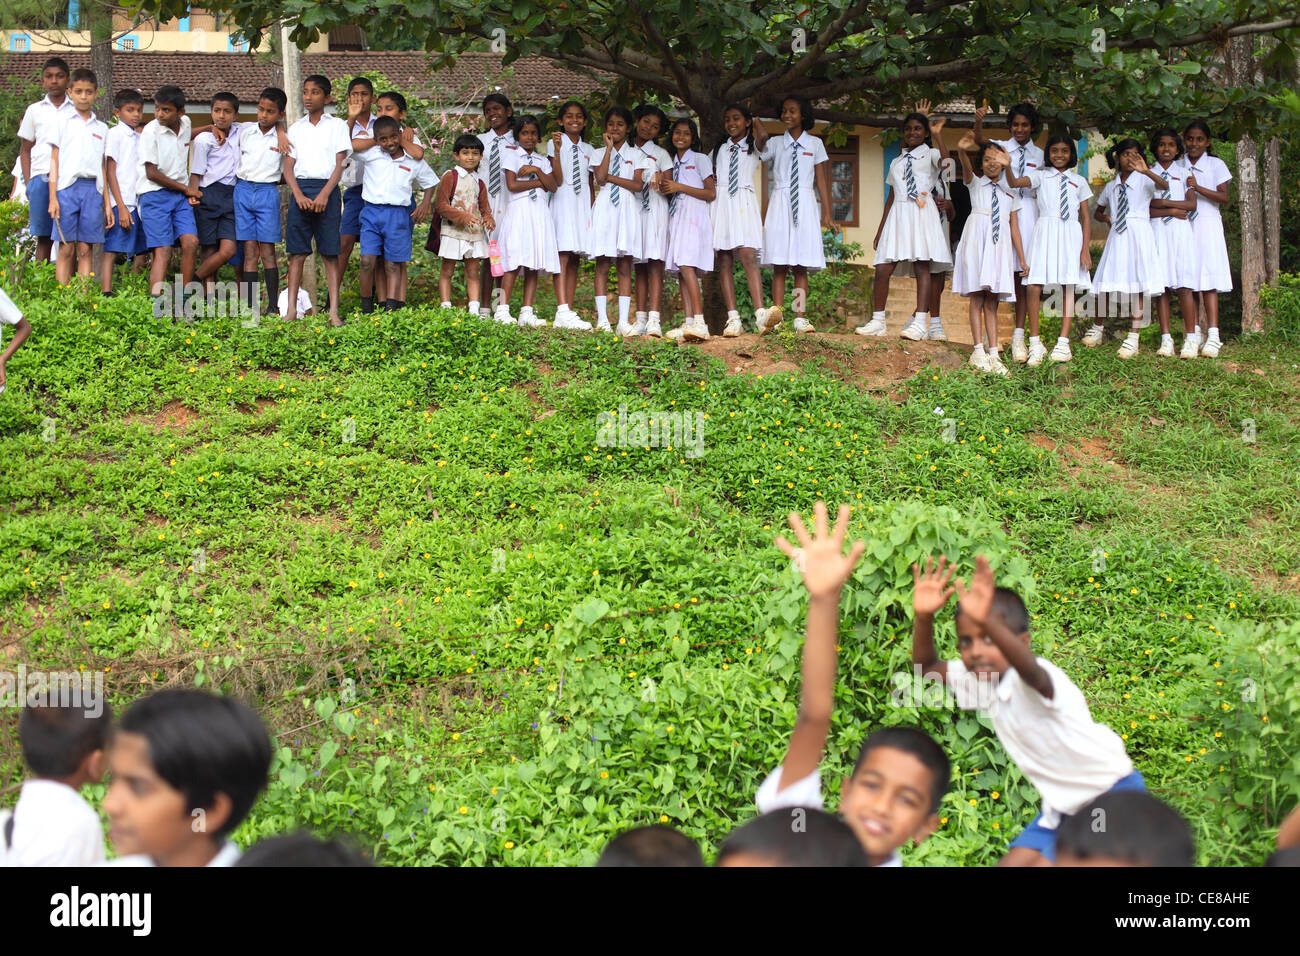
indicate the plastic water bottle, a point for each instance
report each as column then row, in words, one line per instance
column 494, row 252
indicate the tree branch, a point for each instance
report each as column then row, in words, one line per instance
column 1236, row 30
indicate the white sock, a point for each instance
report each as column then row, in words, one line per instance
column 600, row 308
column 733, row 315
column 994, row 349
column 1018, row 335
column 473, row 307
column 1132, row 337
column 561, row 308
column 699, row 320
column 640, row 316
column 1166, row 337
column 1098, row 326
column 1213, row 334
column 624, row 307
column 1062, row 340
column 877, row 315
column 922, row 317
column 1034, row 340
column 1198, row 330
column 979, row 348
column 446, row 305
column 936, row 322
column 652, row 316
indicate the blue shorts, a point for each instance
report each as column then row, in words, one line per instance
column 301, row 226
column 39, row 222
column 386, row 231
column 166, row 216
column 119, row 239
column 215, row 214
column 1040, row 838
column 81, row 213
column 257, row 212
column 350, row 223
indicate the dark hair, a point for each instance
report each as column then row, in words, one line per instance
column 1290, row 856
column 386, row 124
column 690, row 125
column 302, row 848
column 56, row 61
column 395, row 96
column 1123, row 146
column 499, row 98
column 123, row 97
column 649, row 109
column 805, row 109
column 528, row 119
column 978, row 166
column 1198, row 124
column 467, row 141
column 1007, row 604
column 170, row 96
column 276, row 96
column 1128, row 825
column 651, row 846
column 1062, row 138
column 1160, row 134
column 321, row 81
column 623, row 113
column 203, row 745
column 559, row 114
column 920, row 745
column 55, row 739
column 83, row 75
column 361, row 81
column 1029, row 112
column 743, row 110
column 225, row 96
column 796, row 836
column 923, row 120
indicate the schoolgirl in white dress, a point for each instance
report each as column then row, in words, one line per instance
column 690, row 230
column 910, row 230
column 1057, row 250
column 989, row 255
column 651, row 123
column 1173, row 232
column 527, row 234
column 737, row 218
column 1131, row 263
column 617, row 169
column 570, row 159
column 1207, row 177
column 796, row 211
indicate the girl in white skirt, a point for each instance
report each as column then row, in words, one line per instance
column 792, row 231
column 570, row 208
column 1131, row 263
column 690, row 231
column 651, row 122
column 938, row 270
column 737, row 222
column 990, row 254
column 618, row 168
column 909, row 229
column 1173, row 232
column 1058, row 248
column 1207, row 178
column 527, row 232
column 462, row 203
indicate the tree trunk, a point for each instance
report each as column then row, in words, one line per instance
column 1272, row 177
column 1248, row 199
column 291, row 58
column 99, row 20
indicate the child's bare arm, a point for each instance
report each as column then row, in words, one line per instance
column 1288, row 834
column 825, row 568
column 930, row 592
column 976, row 604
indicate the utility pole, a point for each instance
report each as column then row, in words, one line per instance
column 291, row 57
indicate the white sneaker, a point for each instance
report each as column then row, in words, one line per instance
column 1166, row 349
column 733, row 329
column 1093, row 337
column 936, row 333
column 1211, row 348
column 1191, row 346
column 1019, row 353
column 995, row 365
column 652, row 329
column 915, row 329
column 639, row 327
column 602, row 325
column 1061, row 352
column 676, row 335
column 771, row 320
column 484, row 312
column 1037, row 352
column 980, row 361
column 802, row 325
column 694, row 330
column 527, row 317
column 875, row 327
column 502, row 315
column 625, row 329
column 571, row 320
column 1129, row 348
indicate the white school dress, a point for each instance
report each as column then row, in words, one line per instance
column 1054, row 247
column 1173, row 235
column 690, row 231
column 571, row 203
column 904, row 268
column 527, row 233
column 737, row 219
column 792, row 231
column 1131, row 261
column 1024, row 160
column 986, row 257
column 616, row 214
column 912, row 232
column 1213, row 271
column 492, row 169
column 654, row 206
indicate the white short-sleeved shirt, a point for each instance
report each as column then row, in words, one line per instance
column 502, row 197
column 304, row 302
column 518, row 157
column 780, row 151
column 123, row 147
column 630, row 160
column 260, row 159
column 351, row 168
column 54, row 826
column 228, row 855
column 1047, row 187
column 217, row 162
column 1210, row 172
column 10, row 314
column 387, row 181
column 169, row 151
column 38, row 125
column 586, row 158
column 1033, row 160
column 1140, row 189
column 81, row 145
column 316, row 146
column 1067, row 755
column 925, row 171
column 748, row 162
column 802, row 793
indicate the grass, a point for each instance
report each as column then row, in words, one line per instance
column 479, row 636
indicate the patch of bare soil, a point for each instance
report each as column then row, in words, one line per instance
column 173, row 416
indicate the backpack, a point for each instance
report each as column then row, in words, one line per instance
column 435, row 220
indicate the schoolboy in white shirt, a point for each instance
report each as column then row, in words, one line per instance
column 38, row 123
column 122, row 230
column 262, row 148
column 162, row 187
column 77, row 175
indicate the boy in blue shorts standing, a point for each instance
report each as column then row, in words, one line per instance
column 39, row 122
column 262, row 148
column 361, row 129
column 122, row 230
column 162, row 187
column 1039, row 715
column 77, row 175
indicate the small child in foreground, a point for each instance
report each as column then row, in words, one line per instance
column 1125, row 828
column 302, row 848
column 655, row 845
column 10, row 314
column 797, row 836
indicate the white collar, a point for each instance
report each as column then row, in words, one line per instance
column 894, row 859
column 67, row 101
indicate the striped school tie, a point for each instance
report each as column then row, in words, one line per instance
column 1121, row 208
column 494, row 167
column 645, row 194
column 1191, row 213
column 615, row 166
column 577, row 174
column 1065, row 201
column 733, row 175
column 909, row 179
column 794, row 184
column 1166, row 195
column 672, row 200
column 1020, row 162
column 995, row 215
column 532, row 193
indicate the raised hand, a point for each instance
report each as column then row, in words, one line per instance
column 982, row 111
column 821, row 557
column 976, row 602
column 937, row 124
column 923, row 107
column 930, row 590
column 967, row 141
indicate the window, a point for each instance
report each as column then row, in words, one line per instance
column 20, row 43
column 131, row 42
column 237, row 45
column 844, row 182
